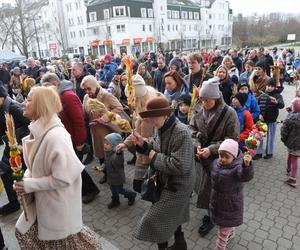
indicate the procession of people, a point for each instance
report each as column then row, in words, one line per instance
column 211, row 100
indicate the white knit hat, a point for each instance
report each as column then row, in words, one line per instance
column 139, row 85
column 210, row 89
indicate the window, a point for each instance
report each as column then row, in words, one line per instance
column 168, row 27
column 150, row 13
column 177, row 14
column 83, row 33
column 72, row 34
column 190, row 27
column 144, row 27
column 150, row 27
column 121, row 28
column 106, row 13
column 79, row 20
column 169, row 14
column 190, row 15
column 209, row 16
column 176, row 27
column 194, row 43
column 196, row 15
column 69, row 7
column 109, row 31
column 77, row 5
column 195, row 27
column 80, row 34
column 183, row 27
column 184, row 15
column 96, row 31
column 119, row 11
column 143, row 12
column 93, row 16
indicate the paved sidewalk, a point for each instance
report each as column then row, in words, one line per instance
column 272, row 211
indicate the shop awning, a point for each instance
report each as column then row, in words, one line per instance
column 149, row 39
column 94, row 43
column 137, row 40
column 107, row 43
column 126, row 41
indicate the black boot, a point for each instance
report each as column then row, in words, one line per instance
column 163, row 246
column 10, row 207
column 113, row 203
column 180, row 243
column 206, row 226
column 131, row 199
column 89, row 158
column 137, row 185
column 104, row 178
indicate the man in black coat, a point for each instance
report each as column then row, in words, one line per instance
column 158, row 78
column 33, row 70
column 21, row 126
column 4, row 75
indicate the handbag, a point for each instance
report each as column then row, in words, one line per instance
column 151, row 187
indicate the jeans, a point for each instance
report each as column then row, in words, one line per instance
column 224, row 234
column 292, row 165
column 270, row 139
column 1, row 240
column 119, row 189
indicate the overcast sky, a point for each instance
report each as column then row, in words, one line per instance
column 247, row 7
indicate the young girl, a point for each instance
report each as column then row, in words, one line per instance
column 226, row 203
column 290, row 136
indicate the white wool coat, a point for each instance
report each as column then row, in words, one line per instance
column 54, row 178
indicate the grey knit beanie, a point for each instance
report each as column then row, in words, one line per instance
column 210, row 89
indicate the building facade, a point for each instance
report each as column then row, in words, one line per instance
column 116, row 26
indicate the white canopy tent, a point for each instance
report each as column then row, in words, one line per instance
column 9, row 56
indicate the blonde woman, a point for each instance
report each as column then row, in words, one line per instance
column 143, row 94
column 53, row 179
column 229, row 64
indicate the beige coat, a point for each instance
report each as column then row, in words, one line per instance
column 99, row 131
column 54, row 178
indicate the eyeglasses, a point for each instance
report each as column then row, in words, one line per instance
column 87, row 89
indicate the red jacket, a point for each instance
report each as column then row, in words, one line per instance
column 248, row 125
column 72, row 117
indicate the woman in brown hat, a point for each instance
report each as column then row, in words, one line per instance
column 172, row 156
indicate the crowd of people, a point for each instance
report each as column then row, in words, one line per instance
column 211, row 101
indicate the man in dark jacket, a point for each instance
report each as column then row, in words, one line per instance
column 72, row 118
column 7, row 105
column 4, row 75
column 236, row 60
column 78, row 72
column 33, row 69
column 158, row 78
column 269, row 103
column 269, row 62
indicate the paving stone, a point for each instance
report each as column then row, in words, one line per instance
column 270, row 245
column 285, row 243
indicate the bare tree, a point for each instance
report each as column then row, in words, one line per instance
column 19, row 24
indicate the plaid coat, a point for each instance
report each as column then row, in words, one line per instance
column 175, row 161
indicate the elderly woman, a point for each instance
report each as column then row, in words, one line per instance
column 211, row 123
column 142, row 94
column 175, row 87
column 52, row 180
column 229, row 64
column 172, row 157
column 227, row 87
column 100, row 126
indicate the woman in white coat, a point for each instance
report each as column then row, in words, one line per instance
column 52, row 179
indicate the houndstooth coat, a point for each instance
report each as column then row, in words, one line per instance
column 175, row 161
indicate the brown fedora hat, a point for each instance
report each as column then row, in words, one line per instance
column 158, row 106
